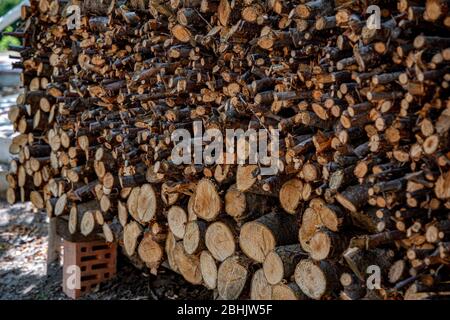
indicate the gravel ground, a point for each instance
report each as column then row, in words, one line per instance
column 23, row 274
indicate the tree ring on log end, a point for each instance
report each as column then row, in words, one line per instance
column 273, row 268
column 208, row 269
column 207, row 202
column 311, row 279
column 231, row 278
column 256, row 240
column 291, row 194
column 219, row 240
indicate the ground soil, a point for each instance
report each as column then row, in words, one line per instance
column 24, row 274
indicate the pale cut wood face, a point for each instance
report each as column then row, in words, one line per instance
column 207, row 202
column 208, row 268
column 231, row 278
column 220, row 240
column 260, row 289
column 256, row 240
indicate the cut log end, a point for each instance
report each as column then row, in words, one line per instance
column 256, row 240
column 194, row 236
column 245, row 177
column 146, row 203
column 87, row 223
column 177, row 219
column 311, row 279
column 150, row 252
column 207, row 202
column 290, row 291
column 131, row 233
column 208, row 269
column 320, row 245
column 273, row 268
column 260, row 289
column 235, row 202
column 188, row 265
column 220, row 240
column 232, row 277
column 290, row 195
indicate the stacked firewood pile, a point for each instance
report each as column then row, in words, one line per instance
column 363, row 188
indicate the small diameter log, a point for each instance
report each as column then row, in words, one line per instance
column 60, row 206
column 260, row 289
column 181, row 33
column 88, row 223
column 13, row 195
column 291, row 195
column 442, row 186
column 232, row 276
column 208, row 269
column 435, row 9
column 287, row 291
column 108, row 233
column 220, row 239
column 371, row 219
column 316, row 279
column 259, row 237
column 132, row 202
column 281, row 262
column 207, row 202
column 375, row 240
column 190, row 209
column 397, row 271
column 188, row 265
column 311, row 8
column 63, row 231
column 176, row 220
column 354, row 288
column 194, row 237
column 76, row 215
column 122, row 213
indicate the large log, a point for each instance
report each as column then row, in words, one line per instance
column 232, row 277
column 280, row 263
column 259, row 237
column 316, row 279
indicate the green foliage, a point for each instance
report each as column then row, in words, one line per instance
column 6, row 5
column 5, row 41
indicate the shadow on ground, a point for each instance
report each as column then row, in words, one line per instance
column 23, row 273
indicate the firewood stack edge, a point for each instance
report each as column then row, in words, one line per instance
column 364, row 155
